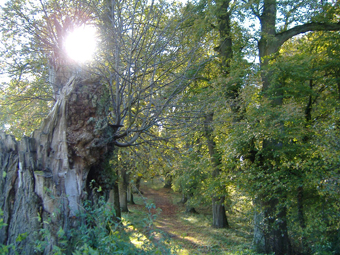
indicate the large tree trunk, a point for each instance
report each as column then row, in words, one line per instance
column 20, row 204
column 276, row 237
column 219, row 215
column 271, row 234
column 259, row 231
column 225, row 53
column 48, row 174
column 188, row 208
column 270, row 231
column 218, row 208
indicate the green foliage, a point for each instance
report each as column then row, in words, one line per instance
column 286, row 141
column 275, row 131
column 99, row 233
column 191, row 177
column 26, row 96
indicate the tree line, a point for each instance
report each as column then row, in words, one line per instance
column 215, row 95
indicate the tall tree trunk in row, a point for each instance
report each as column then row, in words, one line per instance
column 49, row 173
column 225, row 53
column 218, row 206
column 123, row 190
column 274, row 236
column 130, row 194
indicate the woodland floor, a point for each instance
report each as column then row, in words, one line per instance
column 191, row 233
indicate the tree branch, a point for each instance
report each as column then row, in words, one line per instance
column 313, row 26
column 129, row 143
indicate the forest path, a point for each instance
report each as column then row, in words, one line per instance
column 191, row 233
column 166, row 220
column 171, row 220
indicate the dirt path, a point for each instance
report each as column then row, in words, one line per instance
column 191, row 233
column 162, row 199
column 166, row 220
column 171, row 225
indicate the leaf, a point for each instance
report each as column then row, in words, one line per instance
column 21, row 237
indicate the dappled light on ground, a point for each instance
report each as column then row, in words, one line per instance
column 187, row 233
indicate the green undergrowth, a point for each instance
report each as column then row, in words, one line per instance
column 145, row 230
column 99, row 234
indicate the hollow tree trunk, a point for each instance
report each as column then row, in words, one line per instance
column 47, row 174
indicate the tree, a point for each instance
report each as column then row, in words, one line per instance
column 267, row 156
column 145, row 64
column 141, row 68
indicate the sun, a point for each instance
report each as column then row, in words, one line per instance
column 80, row 44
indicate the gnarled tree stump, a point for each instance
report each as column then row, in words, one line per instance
column 46, row 175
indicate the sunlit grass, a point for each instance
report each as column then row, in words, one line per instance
column 138, row 239
column 192, row 233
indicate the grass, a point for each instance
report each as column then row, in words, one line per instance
column 191, row 233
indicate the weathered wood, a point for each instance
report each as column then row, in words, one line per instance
column 19, row 202
column 47, row 174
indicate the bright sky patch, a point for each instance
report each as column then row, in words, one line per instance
column 81, row 44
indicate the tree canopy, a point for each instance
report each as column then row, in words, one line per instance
column 219, row 95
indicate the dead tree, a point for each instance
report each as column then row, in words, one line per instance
column 47, row 174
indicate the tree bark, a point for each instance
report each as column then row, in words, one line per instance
column 225, row 52
column 19, row 202
column 219, row 215
column 47, row 174
column 276, row 237
column 218, row 208
column 259, row 231
column 123, row 190
column 130, row 194
column 115, row 191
